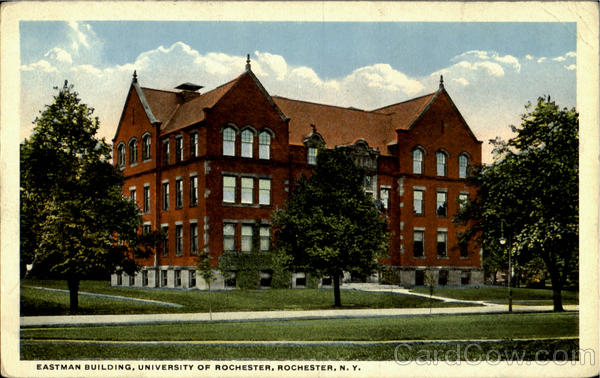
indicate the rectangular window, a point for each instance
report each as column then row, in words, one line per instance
column 193, row 238
column 246, row 238
column 229, row 142
column 119, row 279
column 264, row 191
column 133, row 195
column 442, row 204
column 165, row 243
column 465, row 277
column 368, row 184
column 193, row 190
column 418, row 243
column 179, row 148
column 178, row 240
column 165, row 150
column 266, row 277
column 229, row 189
column 463, row 198
column 264, row 145
column 441, row 160
column 146, row 199
column 384, row 196
column 247, row 190
column 163, row 277
column 131, row 280
column 192, row 278
column 146, row 229
column 179, row 193
column 165, row 196
column 442, row 239
column 228, row 237
column 312, row 156
column 418, row 201
column 247, row 143
column 178, row 278
column 193, row 145
column 443, row 277
column 144, row 278
column 265, row 238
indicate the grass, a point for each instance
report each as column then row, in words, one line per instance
column 522, row 296
column 41, row 302
column 448, row 327
column 522, row 350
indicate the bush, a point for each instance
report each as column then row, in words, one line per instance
column 249, row 265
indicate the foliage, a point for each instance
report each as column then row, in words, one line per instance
column 75, row 221
column 329, row 224
column 204, row 264
column 531, row 187
column 247, row 268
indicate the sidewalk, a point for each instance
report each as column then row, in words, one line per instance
column 84, row 320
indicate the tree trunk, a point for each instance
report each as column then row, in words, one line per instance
column 556, row 289
column 73, row 284
column 337, row 301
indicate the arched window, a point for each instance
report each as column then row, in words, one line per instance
column 247, row 143
column 417, row 156
column 229, row 142
column 146, row 143
column 441, row 163
column 121, row 155
column 312, row 155
column 264, row 145
column 463, row 162
column 133, row 155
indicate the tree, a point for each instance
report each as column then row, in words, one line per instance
column 329, row 224
column 206, row 272
column 75, row 221
column 532, row 189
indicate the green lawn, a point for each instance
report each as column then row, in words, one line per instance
column 43, row 302
column 479, row 326
column 523, row 350
column 57, row 343
column 521, row 296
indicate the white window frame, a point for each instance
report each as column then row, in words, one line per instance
column 229, row 191
column 422, row 201
column 264, row 191
column 194, row 144
column 246, row 239
column 146, row 146
column 441, row 164
column 247, row 139
column 121, row 150
column 437, row 202
column 178, row 239
column 133, row 155
column 193, row 238
column 264, row 145
column 179, row 148
column 229, row 136
column 165, row 195
column 463, row 163
column 311, row 155
column 418, row 160
column 247, row 185
column 265, row 238
column 444, row 235
column 193, row 190
column 228, row 238
column 147, row 195
column 422, row 233
column 178, row 192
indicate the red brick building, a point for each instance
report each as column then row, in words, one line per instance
column 204, row 167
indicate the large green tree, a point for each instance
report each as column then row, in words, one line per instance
column 329, row 225
column 75, row 221
column 530, row 194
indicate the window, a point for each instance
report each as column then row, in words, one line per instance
column 230, row 280
column 194, row 145
column 464, row 248
column 443, row 277
column 178, row 278
column 192, row 278
column 264, row 191
column 146, row 143
column 442, row 241
column 144, row 278
column 119, row 278
column 163, row 277
column 246, row 238
column 193, row 238
column 463, row 162
column 229, row 142
column 265, row 238
column 121, row 155
column 465, row 277
column 165, row 243
column 441, row 163
column 368, row 183
column 229, row 189
column 418, row 243
column 463, row 198
column 384, row 196
column 419, row 278
column 166, row 156
column 179, row 148
column 312, row 155
column 146, row 207
column 418, row 161
column 165, row 196
column 418, row 201
column 178, row 240
column 133, row 195
column 179, row 193
column 193, row 190
column 265, row 278
column 133, row 151
column 247, row 143
column 264, row 145
column 146, row 229
column 247, row 190
column 228, row 237
column 442, row 204
column 131, row 280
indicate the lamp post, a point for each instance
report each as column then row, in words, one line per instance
column 503, row 242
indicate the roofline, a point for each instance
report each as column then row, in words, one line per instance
column 320, row 104
column 145, row 106
column 403, row 102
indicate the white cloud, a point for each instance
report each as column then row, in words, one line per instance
column 81, row 34
column 474, row 56
column 571, row 54
column 559, row 59
column 461, row 80
column 276, row 64
column 528, row 57
column 41, row 65
column 540, row 60
column 571, row 67
column 60, row 55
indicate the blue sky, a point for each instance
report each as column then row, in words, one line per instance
column 491, row 70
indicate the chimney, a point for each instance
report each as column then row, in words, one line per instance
column 189, row 90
